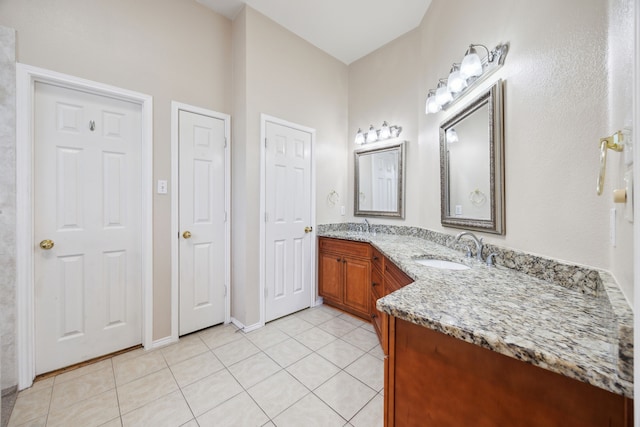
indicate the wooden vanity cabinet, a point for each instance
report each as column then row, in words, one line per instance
column 432, row 379
column 344, row 275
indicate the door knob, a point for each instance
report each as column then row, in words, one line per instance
column 47, row 244
column 186, row 234
column 308, row 229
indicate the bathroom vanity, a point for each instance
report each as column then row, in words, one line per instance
column 491, row 346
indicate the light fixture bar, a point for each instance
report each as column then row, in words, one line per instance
column 372, row 135
column 459, row 82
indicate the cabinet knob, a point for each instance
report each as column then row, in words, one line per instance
column 373, row 316
column 375, row 258
column 374, row 284
column 338, row 259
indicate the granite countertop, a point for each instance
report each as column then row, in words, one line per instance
column 566, row 331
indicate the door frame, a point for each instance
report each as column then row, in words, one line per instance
column 176, row 107
column 26, row 77
column 264, row 119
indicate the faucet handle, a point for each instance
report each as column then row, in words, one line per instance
column 490, row 259
column 468, row 253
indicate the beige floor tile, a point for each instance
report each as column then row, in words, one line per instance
column 170, row 411
column 132, row 354
column 340, row 353
column 38, row 386
column 345, row 394
column 292, row 325
column 315, row 316
column 138, row 393
column 30, row 406
column 333, row 311
column 362, row 339
column 235, row 351
column 94, row 367
column 269, row 424
column 371, row 415
column 132, row 369
column 94, row 411
column 254, row 369
column 192, row 423
column 369, row 370
column 287, row 352
column 211, row 391
column 313, row 370
column 38, row 422
column 267, row 336
column 337, row 326
column 238, row 411
column 353, row 319
column 196, row 368
column 116, row 422
column 315, row 338
column 69, row 392
column 277, row 393
column 377, row 352
column 309, row 412
column 368, row 327
column 220, row 335
column 184, row 349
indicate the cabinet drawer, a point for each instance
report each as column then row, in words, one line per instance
column 377, row 284
column 394, row 278
column 377, row 259
column 356, row 249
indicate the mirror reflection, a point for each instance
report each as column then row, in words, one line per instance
column 379, row 181
column 471, row 146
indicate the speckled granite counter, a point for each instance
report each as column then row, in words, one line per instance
column 584, row 335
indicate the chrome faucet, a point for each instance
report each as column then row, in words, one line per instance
column 477, row 241
column 366, row 222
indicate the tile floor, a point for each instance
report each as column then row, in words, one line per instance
column 317, row 367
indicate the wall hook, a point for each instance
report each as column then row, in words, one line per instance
column 92, row 125
column 613, row 142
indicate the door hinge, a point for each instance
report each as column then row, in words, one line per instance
column 225, row 142
column 225, row 216
column 266, row 217
column 266, row 292
column 265, row 143
column 225, row 290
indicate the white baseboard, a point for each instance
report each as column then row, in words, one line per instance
column 244, row 328
column 318, row 301
column 162, row 342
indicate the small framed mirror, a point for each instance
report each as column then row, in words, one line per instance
column 472, row 165
column 379, row 181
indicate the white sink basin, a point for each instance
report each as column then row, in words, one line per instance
column 441, row 264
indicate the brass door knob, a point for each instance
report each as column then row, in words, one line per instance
column 47, row 244
column 308, row 229
column 186, row 234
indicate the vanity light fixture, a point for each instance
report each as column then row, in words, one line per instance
column 456, row 83
column 464, row 76
column 432, row 106
column 373, row 135
column 443, row 96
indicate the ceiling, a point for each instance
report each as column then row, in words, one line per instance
column 345, row 29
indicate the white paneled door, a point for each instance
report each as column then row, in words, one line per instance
column 288, row 237
column 87, row 221
column 202, row 220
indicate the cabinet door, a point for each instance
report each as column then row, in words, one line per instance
column 357, row 284
column 330, row 276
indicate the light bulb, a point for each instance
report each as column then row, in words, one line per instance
column 471, row 65
column 443, row 96
column 385, row 133
column 432, row 106
column 456, row 83
column 359, row 137
column 372, row 135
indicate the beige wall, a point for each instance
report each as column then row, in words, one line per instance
column 169, row 49
column 556, row 109
column 281, row 75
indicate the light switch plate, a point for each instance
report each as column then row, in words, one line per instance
column 162, row 186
